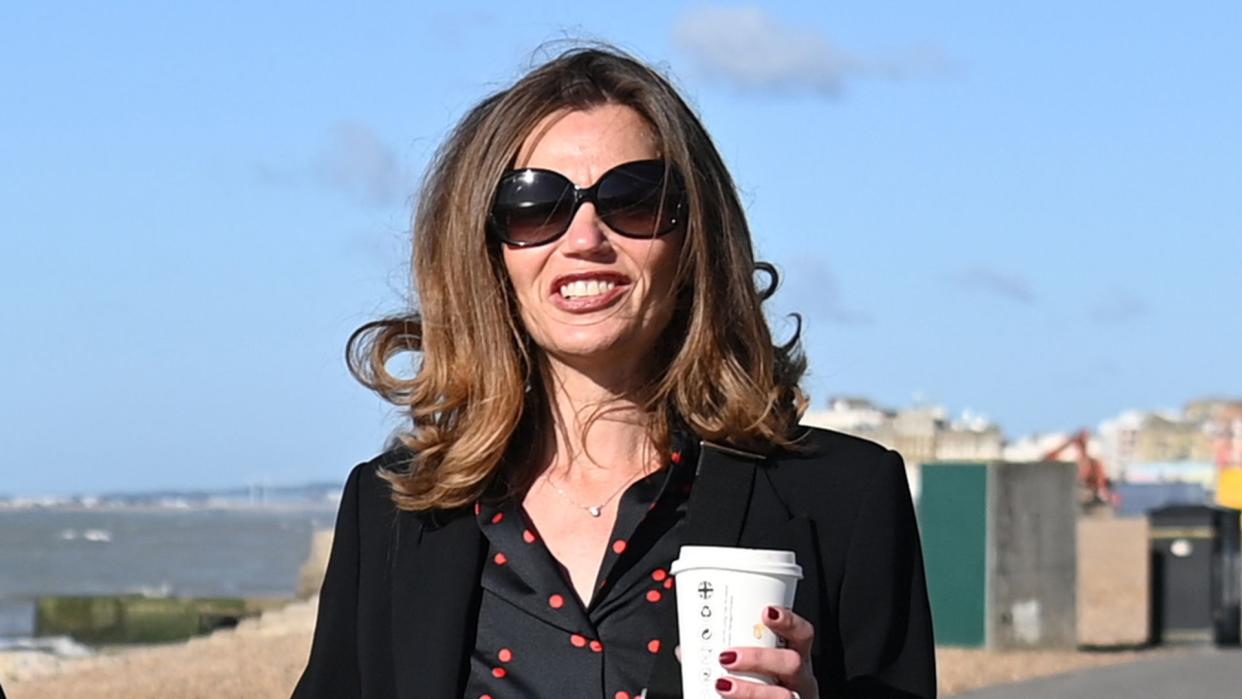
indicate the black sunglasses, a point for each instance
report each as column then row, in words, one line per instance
column 639, row 199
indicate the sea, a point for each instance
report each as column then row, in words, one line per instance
column 240, row 550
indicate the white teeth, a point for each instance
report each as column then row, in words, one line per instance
column 579, row 288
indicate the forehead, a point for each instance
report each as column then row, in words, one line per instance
column 580, row 142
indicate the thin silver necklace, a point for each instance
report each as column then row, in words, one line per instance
column 594, row 511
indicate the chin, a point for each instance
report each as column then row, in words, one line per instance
column 582, row 349
column 585, row 348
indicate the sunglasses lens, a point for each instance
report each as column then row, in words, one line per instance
column 532, row 207
column 638, row 200
column 641, row 199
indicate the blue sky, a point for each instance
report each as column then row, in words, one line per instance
column 1031, row 212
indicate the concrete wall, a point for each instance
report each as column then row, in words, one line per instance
column 1033, row 562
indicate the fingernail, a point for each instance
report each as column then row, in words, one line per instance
column 723, row 685
column 774, row 613
column 728, row 657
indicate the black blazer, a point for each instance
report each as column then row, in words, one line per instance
column 399, row 604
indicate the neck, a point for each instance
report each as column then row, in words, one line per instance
column 599, row 433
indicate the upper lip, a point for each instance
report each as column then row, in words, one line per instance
column 598, row 275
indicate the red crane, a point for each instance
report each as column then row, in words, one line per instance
column 1091, row 474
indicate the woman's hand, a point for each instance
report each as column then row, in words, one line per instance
column 789, row 666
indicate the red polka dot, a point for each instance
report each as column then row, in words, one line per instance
column 618, row 546
column 668, row 584
column 676, row 457
column 499, row 672
column 485, row 696
column 658, row 574
column 653, row 595
column 578, row 640
column 498, row 518
column 505, row 655
column 500, row 559
column 653, row 646
column 477, row 507
column 621, row 695
column 597, row 646
column 528, row 536
column 556, row 601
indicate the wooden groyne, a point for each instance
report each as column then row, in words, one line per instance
column 125, row 619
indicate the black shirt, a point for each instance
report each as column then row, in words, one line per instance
column 536, row 639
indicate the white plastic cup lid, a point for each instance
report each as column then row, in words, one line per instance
column 762, row 561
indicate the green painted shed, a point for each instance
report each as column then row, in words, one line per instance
column 1000, row 551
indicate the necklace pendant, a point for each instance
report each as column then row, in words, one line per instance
column 594, row 511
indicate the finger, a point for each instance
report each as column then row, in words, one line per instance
column 677, row 652
column 797, row 632
column 782, row 664
column 737, row 688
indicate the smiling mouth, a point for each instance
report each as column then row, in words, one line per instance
column 583, row 288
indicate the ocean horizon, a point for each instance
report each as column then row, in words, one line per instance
column 238, row 550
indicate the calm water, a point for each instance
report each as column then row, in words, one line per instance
column 218, row 552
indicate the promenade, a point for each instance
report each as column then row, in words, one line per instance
column 1199, row 674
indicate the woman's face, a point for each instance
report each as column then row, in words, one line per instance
column 593, row 297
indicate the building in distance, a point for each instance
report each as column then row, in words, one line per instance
column 921, row 433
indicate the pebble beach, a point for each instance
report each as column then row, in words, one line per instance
column 263, row 657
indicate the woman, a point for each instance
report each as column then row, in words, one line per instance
column 598, row 387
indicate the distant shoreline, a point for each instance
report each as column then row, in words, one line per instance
column 288, row 499
column 250, row 494
column 193, row 507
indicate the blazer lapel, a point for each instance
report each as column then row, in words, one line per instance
column 723, row 482
column 435, row 583
column 716, row 513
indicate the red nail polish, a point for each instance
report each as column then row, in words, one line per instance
column 774, row 613
column 723, row 685
column 728, row 657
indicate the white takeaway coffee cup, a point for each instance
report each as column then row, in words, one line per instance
column 721, row 596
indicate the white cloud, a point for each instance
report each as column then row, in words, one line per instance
column 752, row 50
column 351, row 160
column 808, row 287
column 994, row 282
column 355, row 161
column 1120, row 306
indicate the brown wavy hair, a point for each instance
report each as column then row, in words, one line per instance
column 478, row 394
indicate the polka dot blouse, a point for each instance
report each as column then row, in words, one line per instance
column 536, row 639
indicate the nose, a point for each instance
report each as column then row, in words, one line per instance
column 586, row 231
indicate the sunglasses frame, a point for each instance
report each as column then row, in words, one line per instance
column 582, row 195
